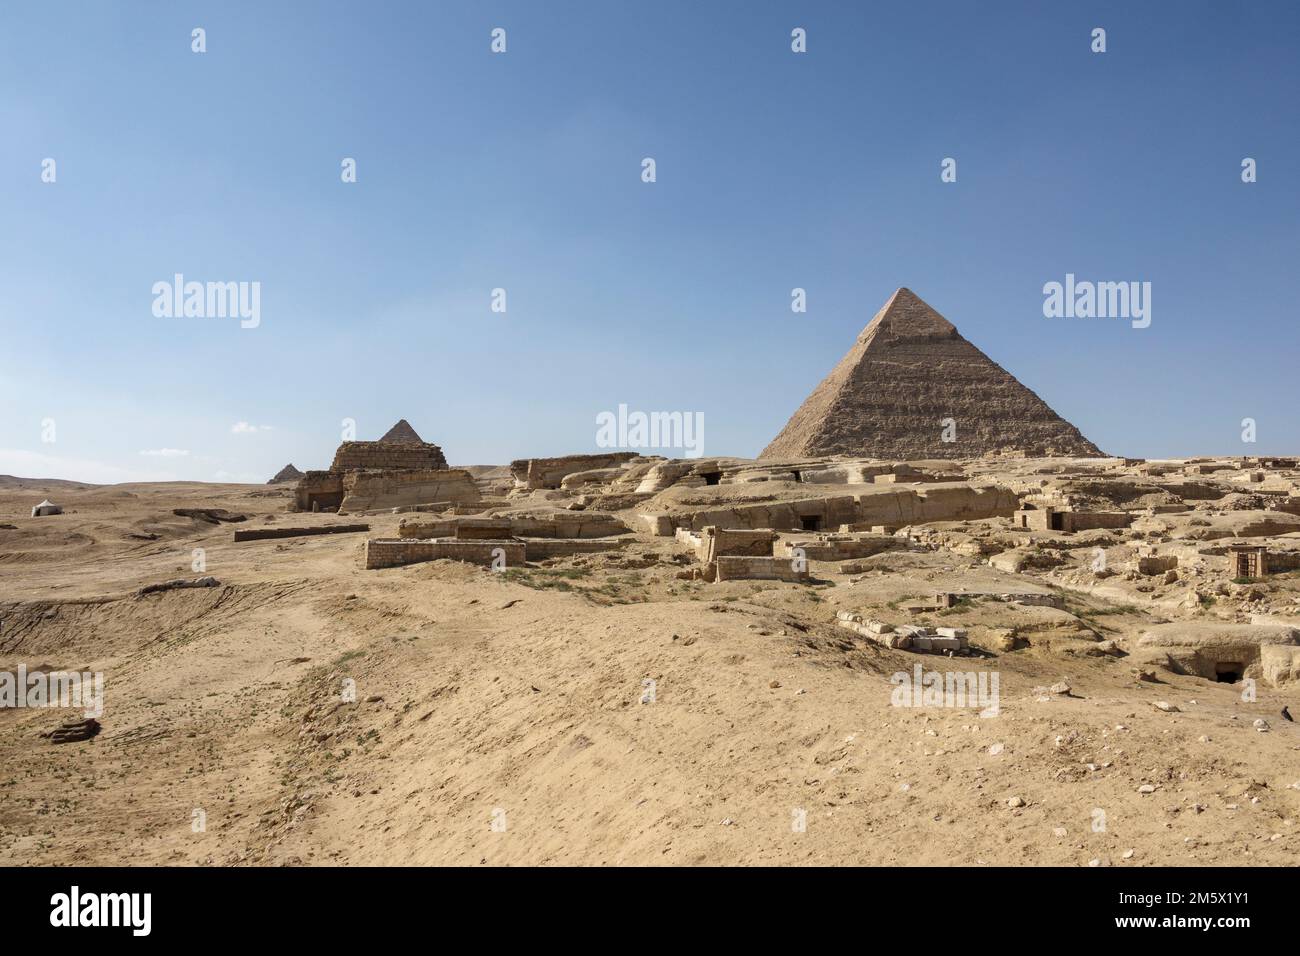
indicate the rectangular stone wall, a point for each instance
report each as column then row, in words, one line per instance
column 483, row 552
column 1032, row 519
column 575, row 524
column 740, row 568
column 1156, row 563
column 523, row 526
column 324, row 488
column 482, row 529
column 387, row 553
column 840, row 549
column 372, row 491
column 392, row 553
column 257, row 534
column 717, row 542
column 1091, row 520
column 424, row 528
column 1283, row 561
column 1052, row 519
column 438, row 506
column 538, row 549
column 889, row 507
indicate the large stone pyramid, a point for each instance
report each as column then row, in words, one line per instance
column 402, row 431
column 908, row 372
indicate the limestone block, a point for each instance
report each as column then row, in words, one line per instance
column 738, row 567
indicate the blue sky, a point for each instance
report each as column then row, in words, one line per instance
column 522, row 171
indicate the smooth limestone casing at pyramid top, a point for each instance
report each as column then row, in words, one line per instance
column 908, row 372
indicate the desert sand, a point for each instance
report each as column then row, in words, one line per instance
column 504, row 717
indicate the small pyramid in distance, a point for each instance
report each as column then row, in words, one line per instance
column 402, row 432
column 287, row 473
column 908, row 372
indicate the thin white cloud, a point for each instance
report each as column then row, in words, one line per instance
column 166, row 452
column 245, row 428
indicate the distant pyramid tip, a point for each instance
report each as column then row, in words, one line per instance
column 401, row 432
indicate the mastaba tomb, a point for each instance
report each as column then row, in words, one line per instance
column 396, row 471
column 908, row 375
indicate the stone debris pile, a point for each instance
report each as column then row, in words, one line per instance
column 906, row 637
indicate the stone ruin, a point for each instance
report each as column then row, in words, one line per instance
column 285, row 474
column 906, row 637
column 1223, row 652
column 1168, row 529
column 739, row 554
column 388, row 456
column 1033, row 517
column 886, row 506
column 500, row 542
column 380, row 475
column 534, row 473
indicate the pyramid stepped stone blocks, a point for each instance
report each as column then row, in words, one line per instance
column 397, row 471
column 382, row 455
column 287, row 473
column 908, row 372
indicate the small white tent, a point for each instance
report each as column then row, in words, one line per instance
column 46, row 507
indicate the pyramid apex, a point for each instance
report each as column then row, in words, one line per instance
column 402, row 432
column 906, row 314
